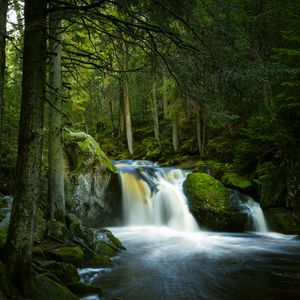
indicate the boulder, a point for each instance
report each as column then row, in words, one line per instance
column 88, row 179
column 283, row 220
column 209, row 203
column 48, row 289
column 68, row 254
column 234, row 180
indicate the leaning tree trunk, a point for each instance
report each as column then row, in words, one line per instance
column 28, row 171
column 3, row 12
column 56, row 195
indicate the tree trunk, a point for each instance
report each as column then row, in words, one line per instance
column 28, row 171
column 121, row 110
column 199, row 135
column 126, row 95
column 175, row 135
column 56, row 195
column 165, row 99
column 155, row 110
column 3, row 13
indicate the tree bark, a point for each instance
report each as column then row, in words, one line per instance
column 175, row 134
column 199, row 135
column 200, row 132
column 127, row 109
column 3, row 13
column 155, row 110
column 56, row 194
column 121, row 110
column 165, row 99
column 28, row 171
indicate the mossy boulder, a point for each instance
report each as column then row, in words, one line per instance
column 213, row 168
column 209, row 203
column 65, row 272
column 272, row 191
column 89, row 173
column 100, row 261
column 48, row 289
column 87, row 152
column 283, row 220
column 68, row 254
column 234, row 180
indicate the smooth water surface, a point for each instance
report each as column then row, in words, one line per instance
column 163, row 263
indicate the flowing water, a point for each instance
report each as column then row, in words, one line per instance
column 169, row 257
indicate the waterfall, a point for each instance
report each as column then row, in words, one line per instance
column 257, row 216
column 153, row 195
column 247, row 205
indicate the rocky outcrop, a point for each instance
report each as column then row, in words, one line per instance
column 88, row 181
column 209, row 203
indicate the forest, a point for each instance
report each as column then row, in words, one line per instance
column 205, row 86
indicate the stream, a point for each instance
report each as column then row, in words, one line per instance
column 169, row 257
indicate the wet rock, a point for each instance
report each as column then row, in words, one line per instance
column 209, row 203
column 283, row 220
column 234, row 180
column 48, row 289
column 68, row 254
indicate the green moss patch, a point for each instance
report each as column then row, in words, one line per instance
column 235, row 180
column 73, row 255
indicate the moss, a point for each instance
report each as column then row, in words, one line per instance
column 100, row 261
column 48, row 289
column 38, row 252
column 283, row 220
column 214, row 168
column 40, row 226
column 209, row 203
column 73, row 255
column 105, row 249
column 272, row 190
column 235, row 180
column 90, row 153
column 56, row 229
column 204, row 189
column 67, row 273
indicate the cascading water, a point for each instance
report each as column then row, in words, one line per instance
column 166, row 263
column 154, row 196
column 257, row 216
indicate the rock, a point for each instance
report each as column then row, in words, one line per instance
column 65, row 272
column 100, row 261
column 69, row 254
column 88, row 180
column 56, row 230
column 283, row 220
column 272, row 191
column 213, row 168
column 82, row 289
column 234, row 180
column 48, row 289
column 209, row 203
